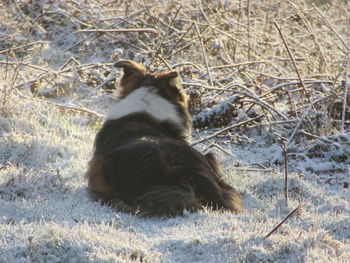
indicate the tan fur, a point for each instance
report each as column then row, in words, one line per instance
column 168, row 81
column 133, row 73
column 172, row 87
column 97, row 185
column 166, row 200
column 231, row 196
column 99, row 189
column 143, row 164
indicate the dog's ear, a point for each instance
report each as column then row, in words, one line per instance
column 172, row 75
column 130, row 67
column 133, row 74
column 170, row 83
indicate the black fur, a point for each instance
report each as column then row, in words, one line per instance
column 146, row 165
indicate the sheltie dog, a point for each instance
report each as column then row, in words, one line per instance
column 142, row 160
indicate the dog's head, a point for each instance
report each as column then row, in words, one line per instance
column 168, row 83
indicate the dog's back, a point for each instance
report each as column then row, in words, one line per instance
column 142, row 160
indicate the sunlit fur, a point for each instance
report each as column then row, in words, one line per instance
column 145, row 99
column 142, row 160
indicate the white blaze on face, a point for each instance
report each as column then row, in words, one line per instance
column 145, row 99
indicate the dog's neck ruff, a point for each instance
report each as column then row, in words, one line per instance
column 145, row 99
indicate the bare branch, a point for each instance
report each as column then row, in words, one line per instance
column 284, row 220
column 226, row 129
column 293, row 61
column 119, row 30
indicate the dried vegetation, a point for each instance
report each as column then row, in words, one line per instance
column 260, row 73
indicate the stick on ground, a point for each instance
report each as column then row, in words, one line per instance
column 226, row 129
column 284, row 220
column 119, row 30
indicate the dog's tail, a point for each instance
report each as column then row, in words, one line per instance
column 168, row 200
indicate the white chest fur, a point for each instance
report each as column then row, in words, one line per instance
column 144, row 99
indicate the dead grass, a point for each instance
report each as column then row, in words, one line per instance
column 56, row 78
column 214, row 43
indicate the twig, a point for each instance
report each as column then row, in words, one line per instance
column 282, row 78
column 226, row 129
column 177, row 42
column 48, row 74
column 252, row 63
column 346, row 85
column 293, row 60
column 65, row 107
column 237, row 30
column 316, row 42
column 282, row 85
column 25, row 64
column 253, row 169
column 237, row 41
column 330, row 26
column 6, row 92
column 149, row 13
column 165, row 35
column 319, row 138
column 302, row 119
column 240, row 64
column 23, row 46
column 256, row 99
column 289, row 215
column 204, row 54
column 282, row 142
column 68, row 61
column 119, row 30
column 214, row 145
column 185, row 64
column 348, row 186
column 92, row 36
column 285, row 155
column 271, row 123
column 248, row 29
column 111, row 76
column 298, row 125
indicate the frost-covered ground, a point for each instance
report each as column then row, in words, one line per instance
column 46, row 215
column 53, row 92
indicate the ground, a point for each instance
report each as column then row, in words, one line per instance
column 58, row 82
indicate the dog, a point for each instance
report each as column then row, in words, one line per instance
column 143, row 161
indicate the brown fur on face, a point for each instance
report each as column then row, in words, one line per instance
column 168, row 83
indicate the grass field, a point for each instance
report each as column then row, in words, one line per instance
column 277, row 70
